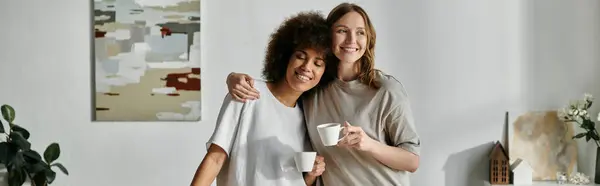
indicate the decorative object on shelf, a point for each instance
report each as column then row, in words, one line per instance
column 562, row 178
column 146, row 60
column 499, row 165
column 23, row 163
column 579, row 179
column 544, row 141
column 522, row 172
column 577, row 113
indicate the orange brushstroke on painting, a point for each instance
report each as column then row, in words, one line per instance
column 99, row 34
column 184, row 81
column 164, row 31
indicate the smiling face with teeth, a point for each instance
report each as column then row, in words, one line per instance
column 349, row 37
column 305, row 69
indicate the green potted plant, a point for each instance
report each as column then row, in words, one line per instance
column 21, row 162
column 577, row 113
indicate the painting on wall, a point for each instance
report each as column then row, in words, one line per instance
column 146, row 57
column 545, row 142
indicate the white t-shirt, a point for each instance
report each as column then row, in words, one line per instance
column 260, row 138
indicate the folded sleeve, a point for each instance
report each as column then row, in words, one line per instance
column 401, row 130
column 228, row 120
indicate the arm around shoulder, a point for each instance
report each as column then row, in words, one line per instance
column 241, row 87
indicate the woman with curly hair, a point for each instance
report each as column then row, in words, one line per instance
column 254, row 142
column 381, row 145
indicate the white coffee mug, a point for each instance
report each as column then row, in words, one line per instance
column 330, row 133
column 305, row 161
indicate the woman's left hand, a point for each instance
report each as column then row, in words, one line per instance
column 355, row 137
column 318, row 167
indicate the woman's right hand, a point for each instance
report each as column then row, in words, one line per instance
column 241, row 87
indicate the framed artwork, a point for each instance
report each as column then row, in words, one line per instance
column 146, row 60
column 544, row 141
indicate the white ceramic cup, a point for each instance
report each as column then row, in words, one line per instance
column 305, row 161
column 330, row 133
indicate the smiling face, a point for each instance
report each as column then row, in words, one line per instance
column 305, row 69
column 349, row 37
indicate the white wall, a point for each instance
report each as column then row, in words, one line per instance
column 563, row 59
column 464, row 63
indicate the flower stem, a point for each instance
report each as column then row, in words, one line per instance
column 597, row 143
column 595, row 131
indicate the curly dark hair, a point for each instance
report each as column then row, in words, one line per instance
column 304, row 30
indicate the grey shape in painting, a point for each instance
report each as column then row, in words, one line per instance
column 184, row 28
column 137, row 33
column 100, row 49
column 110, row 66
column 194, row 18
column 166, row 49
column 125, row 45
column 139, row 22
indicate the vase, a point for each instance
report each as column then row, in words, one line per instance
column 597, row 173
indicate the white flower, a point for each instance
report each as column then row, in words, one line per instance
column 573, row 104
column 588, row 97
column 598, row 116
column 562, row 114
column 574, row 112
column 582, row 112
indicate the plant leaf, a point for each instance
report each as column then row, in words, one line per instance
column 19, row 129
column 40, row 179
column 587, row 138
column 580, row 135
column 2, row 127
column 50, row 175
column 9, row 154
column 36, row 168
column 61, row 167
column 18, row 161
column 4, row 153
column 8, row 113
column 20, row 141
column 32, row 156
column 52, row 153
column 593, row 135
column 587, row 124
column 16, row 177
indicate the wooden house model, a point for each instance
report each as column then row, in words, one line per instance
column 499, row 165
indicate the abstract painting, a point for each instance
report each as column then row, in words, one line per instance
column 545, row 142
column 146, row 56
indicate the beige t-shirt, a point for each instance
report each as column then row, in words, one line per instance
column 384, row 114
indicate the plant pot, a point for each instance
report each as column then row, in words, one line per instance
column 597, row 173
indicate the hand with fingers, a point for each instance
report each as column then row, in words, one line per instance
column 318, row 167
column 317, row 170
column 241, row 87
column 355, row 137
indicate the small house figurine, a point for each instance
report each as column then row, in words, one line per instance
column 522, row 172
column 499, row 165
